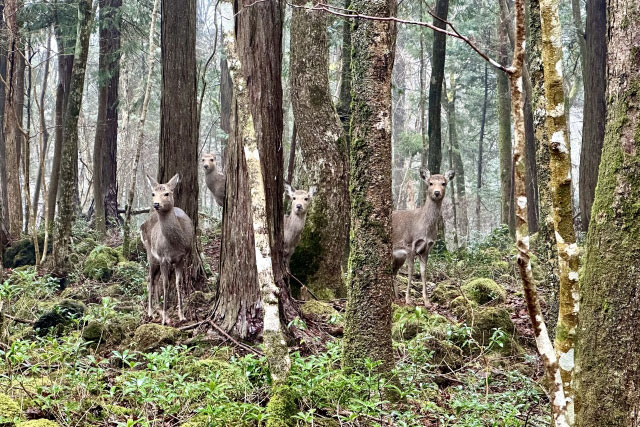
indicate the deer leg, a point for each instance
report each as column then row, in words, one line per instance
column 411, row 259
column 179, row 295
column 423, row 276
column 165, row 270
column 153, row 274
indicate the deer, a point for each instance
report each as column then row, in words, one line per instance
column 415, row 231
column 167, row 236
column 215, row 180
column 294, row 222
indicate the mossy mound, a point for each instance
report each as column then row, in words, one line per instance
column 321, row 309
column 60, row 316
column 483, row 291
column 38, row 423
column 221, row 372
column 281, row 407
column 486, row 320
column 132, row 278
column 447, row 356
column 198, row 304
column 110, row 333
column 85, row 246
column 101, row 262
column 500, row 267
column 22, row 253
column 460, row 306
column 409, row 321
column 444, row 292
column 9, row 410
column 200, row 420
column 151, row 336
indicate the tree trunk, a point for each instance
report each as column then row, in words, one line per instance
column 399, row 118
column 593, row 123
column 483, row 119
column 607, row 352
column 435, row 88
column 344, row 100
column 507, row 211
column 67, row 193
column 367, row 332
column 320, row 256
column 14, row 106
column 4, row 218
column 422, row 105
column 44, row 132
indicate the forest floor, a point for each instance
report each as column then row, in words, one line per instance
column 83, row 353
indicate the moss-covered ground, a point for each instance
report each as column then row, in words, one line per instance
column 467, row 359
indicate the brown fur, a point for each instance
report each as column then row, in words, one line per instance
column 167, row 236
column 415, row 231
column 215, row 180
column 294, row 222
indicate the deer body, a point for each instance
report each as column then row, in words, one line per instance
column 215, row 180
column 294, row 222
column 415, row 231
column 167, row 236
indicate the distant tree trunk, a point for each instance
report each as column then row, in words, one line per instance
column 226, row 95
column 67, row 193
column 607, row 351
column 435, row 88
column 399, row 118
column 14, row 106
column 483, row 120
column 580, row 35
column 422, row 105
column 593, row 123
column 4, row 218
column 457, row 164
column 507, row 212
column 367, row 331
column 43, row 126
column 344, row 100
column 320, row 257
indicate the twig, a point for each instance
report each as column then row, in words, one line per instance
column 239, row 344
column 304, row 286
column 19, row 320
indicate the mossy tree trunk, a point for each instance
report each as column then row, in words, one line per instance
column 367, row 332
column 607, row 351
column 483, row 119
column 562, row 206
column 319, row 258
column 507, row 211
column 344, row 99
column 67, row 187
column 4, row 219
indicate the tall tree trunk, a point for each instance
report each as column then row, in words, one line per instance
column 607, row 352
column 399, row 118
column 422, row 105
column 483, row 120
column 4, row 218
column 560, row 166
column 14, row 106
column 507, row 211
column 344, row 99
column 435, row 87
column 67, row 190
column 367, row 332
column 593, row 124
column 320, row 256
column 44, row 132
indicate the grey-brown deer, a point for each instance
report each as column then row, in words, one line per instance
column 294, row 222
column 214, row 179
column 167, row 236
column 415, row 231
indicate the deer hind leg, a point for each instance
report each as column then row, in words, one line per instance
column 151, row 287
column 423, row 276
column 399, row 258
column 179, row 270
column 165, row 269
column 411, row 259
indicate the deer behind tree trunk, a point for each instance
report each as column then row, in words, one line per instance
column 215, row 181
column 294, row 222
column 167, row 236
column 415, row 231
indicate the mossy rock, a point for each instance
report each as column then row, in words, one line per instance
column 101, row 262
column 110, row 333
column 151, row 336
column 200, row 420
column 281, row 407
column 85, row 246
column 447, row 356
column 483, row 291
column 500, row 267
column 444, row 292
column 22, row 253
column 460, row 306
column 409, row 321
column 132, row 278
column 86, row 292
column 485, row 322
column 222, row 372
column 9, row 410
column 60, row 316
column 38, row 423
column 323, row 310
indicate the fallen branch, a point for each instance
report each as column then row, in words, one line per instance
column 19, row 320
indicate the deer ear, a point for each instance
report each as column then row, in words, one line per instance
column 425, row 174
column 288, row 190
column 173, row 182
column 450, row 174
column 312, row 190
column 152, row 182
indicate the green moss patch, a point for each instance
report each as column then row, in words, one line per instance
column 22, row 253
column 445, row 291
column 101, row 262
column 486, row 320
column 9, row 410
column 483, row 291
column 38, row 423
column 151, row 336
column 60, row 316
column 281, row 407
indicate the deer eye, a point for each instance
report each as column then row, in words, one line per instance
column 153, row 194
column 166, row 194
column 431, row 184
column 306, row 198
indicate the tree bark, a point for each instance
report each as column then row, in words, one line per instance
column 344, row 99
column 435, row 88
column 422, row 105
column 607, row 352
column 399, row 119
column 320, row 256
column 44, row 132
column 67, row 190
column 507, row 211
column 483, row 119
column 367, row 332
column 13, row 109
column 593, row 125
column 4, row 218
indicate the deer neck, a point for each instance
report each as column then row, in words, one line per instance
column 170, row 226
column 430, row 211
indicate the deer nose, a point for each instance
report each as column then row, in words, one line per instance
column 156, row 206
column 206, row 166
column 436, row 193
column 299, row 206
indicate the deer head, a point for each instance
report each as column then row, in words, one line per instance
column 163, row 193
column 436, row 184
column 299, row 199
column 208, row 161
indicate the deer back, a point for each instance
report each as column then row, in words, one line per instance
column 412, row 225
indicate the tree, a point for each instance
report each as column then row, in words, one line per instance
column 13, row 109
column 44, row 132
column 507, row 212
column 367, row 332
column 67, row 190
column 105, row 192
column 607, row 354
column 344, row 99
column 4, row 218
column 483, row 120
column 319, row 258
column 593, row 123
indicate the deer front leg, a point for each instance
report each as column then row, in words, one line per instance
column 165, row 270
column 411, row 259
column 423, row 276
column 153, row 274
column 179, row 269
